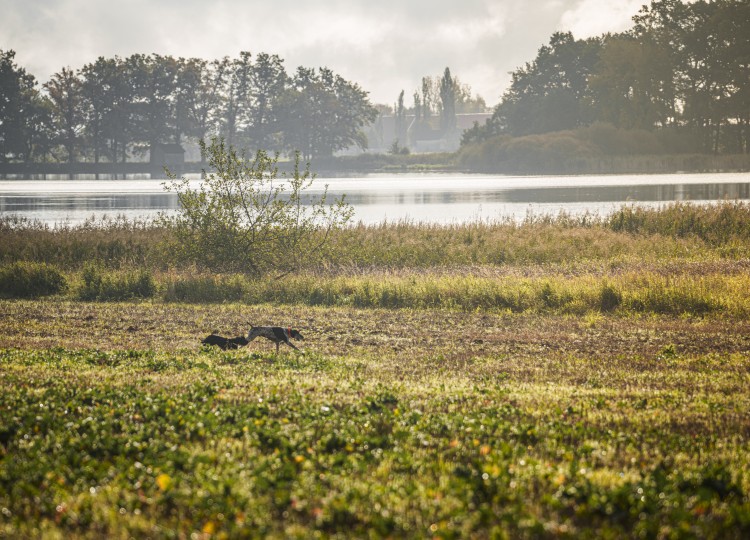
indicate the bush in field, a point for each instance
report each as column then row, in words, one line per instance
column 28, row 280
column 98, row 285
column 245, row 218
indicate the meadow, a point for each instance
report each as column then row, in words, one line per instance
column 581, row 378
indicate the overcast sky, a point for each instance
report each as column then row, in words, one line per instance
column 383, row 45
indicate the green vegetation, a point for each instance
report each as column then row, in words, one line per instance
column 244, row 218
column 30, row 279
column 670, row 85
column 98, row 285
column 395, row 423
column 561, row 377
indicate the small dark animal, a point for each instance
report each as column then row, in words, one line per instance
column 276, row 334
column 225, row 343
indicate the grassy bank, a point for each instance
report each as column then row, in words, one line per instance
column 401, row 423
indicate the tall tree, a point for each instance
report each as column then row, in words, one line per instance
column 153, row 79
column 632, row 84
column 234, row 109
column 428, row 97
column 18, row 94
column 325, row 113
column 64, row 89
column 551, row 93
column 200, row 85
column 447, row 102
column 268, row 81
column 400, row 118
column 99, row 98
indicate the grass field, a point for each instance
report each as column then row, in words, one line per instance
column 602, row 394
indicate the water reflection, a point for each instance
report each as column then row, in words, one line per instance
column 438, row 199
column 594, row 194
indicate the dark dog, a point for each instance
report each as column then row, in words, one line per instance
column 225, row 343
column 276, row 334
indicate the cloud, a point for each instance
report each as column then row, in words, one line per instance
column 595, row 17
column 384, row 45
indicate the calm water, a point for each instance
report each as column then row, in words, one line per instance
column 439, row 198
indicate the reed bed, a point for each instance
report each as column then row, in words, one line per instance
column 675, row 231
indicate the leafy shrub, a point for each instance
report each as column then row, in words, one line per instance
column 98, row 285
column 244, row 218
column 29, row 280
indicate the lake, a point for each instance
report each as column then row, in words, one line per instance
column 434, row 198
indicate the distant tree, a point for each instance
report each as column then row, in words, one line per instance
column 707, row 43
column 324, row 113
column 417, row 107
column 268, row 82
column 551, row 93
column 200, row 85
column 447, row 102
column 38, row 133
column 99, row 99
column 400, row 120
column 429, row 98
column 465, row 101
column 187, row 82
column 64, row 89
column 631, row 84
column 18, row 96
column 153, row 79
column 234, row 107
column 120, row 123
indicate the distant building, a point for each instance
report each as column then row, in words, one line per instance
column 421, row 137
column 165, row 155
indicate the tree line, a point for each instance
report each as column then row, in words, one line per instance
column 681, row 75
column 115, row 108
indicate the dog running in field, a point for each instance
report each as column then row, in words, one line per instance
column 225, row 343
column 277, row 334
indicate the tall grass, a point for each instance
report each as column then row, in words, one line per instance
column 714, row 224
column 629, row 292
column 113, row 243
column 675, row 231
column 113, row 286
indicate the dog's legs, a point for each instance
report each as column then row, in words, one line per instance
column 292, row 345
column 277, row 347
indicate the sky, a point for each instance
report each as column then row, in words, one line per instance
column 385, row 46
